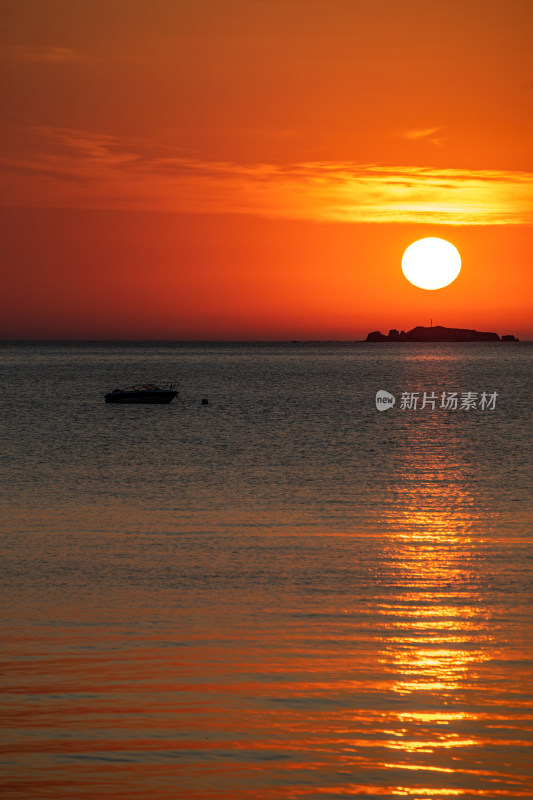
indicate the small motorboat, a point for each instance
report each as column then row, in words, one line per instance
column 147, row 393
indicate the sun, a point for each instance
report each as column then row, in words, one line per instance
column 431, row 263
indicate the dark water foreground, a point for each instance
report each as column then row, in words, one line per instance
column 283, row 594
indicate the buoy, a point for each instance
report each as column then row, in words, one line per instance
column 205, row 401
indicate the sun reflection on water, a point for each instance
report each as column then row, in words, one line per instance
column 435, row 631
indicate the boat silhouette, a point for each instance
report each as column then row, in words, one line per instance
column 144, row 393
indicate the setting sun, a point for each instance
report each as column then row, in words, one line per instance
column 431, row 263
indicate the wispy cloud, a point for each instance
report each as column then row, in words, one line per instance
column 65, row 167
column 421, row 133
column 38, row 55
column 429, row 134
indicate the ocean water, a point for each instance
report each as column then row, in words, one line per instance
column 285, row 593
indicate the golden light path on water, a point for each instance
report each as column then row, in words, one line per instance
column 439, row 629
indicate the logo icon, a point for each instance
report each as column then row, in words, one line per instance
column 384, row 400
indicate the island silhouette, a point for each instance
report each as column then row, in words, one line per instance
column 438, row 333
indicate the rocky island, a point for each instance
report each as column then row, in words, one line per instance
column 438, row 334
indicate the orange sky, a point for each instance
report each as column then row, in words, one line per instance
column 255, row 168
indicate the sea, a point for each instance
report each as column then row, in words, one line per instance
column 285, row 593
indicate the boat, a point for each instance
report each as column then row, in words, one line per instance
column 145, row 393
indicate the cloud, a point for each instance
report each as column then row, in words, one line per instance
column 65, row 167
column 421, row 133
column 424, row 134
column 38, row 55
